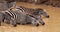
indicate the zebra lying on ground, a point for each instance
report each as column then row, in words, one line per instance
column 34, row 12
column 14, row 17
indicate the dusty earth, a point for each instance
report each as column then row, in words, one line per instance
column 52, row 23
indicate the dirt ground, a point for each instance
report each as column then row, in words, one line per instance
column 52, row 23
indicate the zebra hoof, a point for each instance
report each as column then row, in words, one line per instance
column 18, row 23
column 43, row 24
column 37, row 25
column 14, row 25
column 47, row 16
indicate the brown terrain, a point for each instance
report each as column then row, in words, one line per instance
column 52, row 23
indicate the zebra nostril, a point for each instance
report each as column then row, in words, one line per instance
column 48, row 16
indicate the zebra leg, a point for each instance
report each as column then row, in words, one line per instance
column 40, row 20
column 32, row 20
column 13, row 22
column 35, row 23
column 0, row 23
column 1, row 18
column 7, row 21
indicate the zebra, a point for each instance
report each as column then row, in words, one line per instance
column 14, row 17
column 35, row 13
column 24, row 19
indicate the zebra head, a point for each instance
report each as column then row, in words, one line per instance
column 41, row 12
